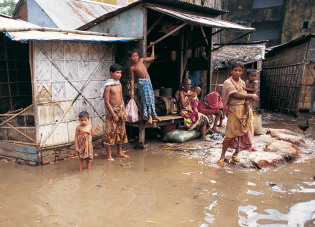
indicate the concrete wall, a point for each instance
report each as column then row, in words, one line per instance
column 296, row 12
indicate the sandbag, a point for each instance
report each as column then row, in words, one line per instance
column 181, row 135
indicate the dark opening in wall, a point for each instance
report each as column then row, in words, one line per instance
column 306, row 24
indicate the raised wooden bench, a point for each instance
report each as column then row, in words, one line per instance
column 165, row 120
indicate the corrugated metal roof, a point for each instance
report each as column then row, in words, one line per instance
column 200, row 20
column 19, row 30
column 9, row 23
column 49, row 36
column 71, row 14
column 180, row 5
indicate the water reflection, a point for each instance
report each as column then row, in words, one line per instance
column 299, row 214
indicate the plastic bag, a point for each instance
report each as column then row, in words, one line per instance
column 132, row 111
column 181, row 135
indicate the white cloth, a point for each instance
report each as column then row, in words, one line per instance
column 109, row 82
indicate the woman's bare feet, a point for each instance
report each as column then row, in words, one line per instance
column 203, row 137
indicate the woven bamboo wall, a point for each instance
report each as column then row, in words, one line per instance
column 53, row 94
column 281, row 77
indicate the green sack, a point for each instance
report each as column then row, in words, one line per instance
column 181, row 135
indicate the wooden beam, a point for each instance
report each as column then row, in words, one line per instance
column 16, row 115
column 233, row 40
column 21, row 132
column 167, row 35
column 195, row 44
column 154, row 24
column 209, row 69
column 204, row 35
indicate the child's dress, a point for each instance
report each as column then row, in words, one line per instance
column 85, row 146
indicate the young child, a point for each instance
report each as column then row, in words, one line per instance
column 115, row 131
column 251, row 88
column 147, row 95
column 83, row 139
column 194, row 97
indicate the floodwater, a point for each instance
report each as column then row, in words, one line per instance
column 156, row 190
column 159, row 189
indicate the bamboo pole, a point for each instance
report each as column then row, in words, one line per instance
column 16, row 115
column 21, row 132
column 18, row 142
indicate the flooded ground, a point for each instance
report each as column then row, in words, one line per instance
column 156, row 190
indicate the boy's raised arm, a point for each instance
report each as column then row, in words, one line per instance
column 96, row 130
column 151, row 58
column 132, row 82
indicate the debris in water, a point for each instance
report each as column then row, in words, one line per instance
column 272, row 185
column 213, row 181
column 126, row 164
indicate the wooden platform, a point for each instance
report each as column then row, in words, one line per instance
column 165, row 120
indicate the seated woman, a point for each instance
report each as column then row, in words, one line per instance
column 239, row 131
column 192, row 118
column 212, row 104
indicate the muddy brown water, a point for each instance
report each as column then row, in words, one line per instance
column 158, row 189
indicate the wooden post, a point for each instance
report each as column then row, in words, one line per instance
column 181, row 54
column 209, row 70
column 8, row 72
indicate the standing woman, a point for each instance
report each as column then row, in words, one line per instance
column 239, row 132
column 192, row 119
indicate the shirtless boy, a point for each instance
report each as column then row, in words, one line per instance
column 147, row 96
column 115, row 131
column 251, row 88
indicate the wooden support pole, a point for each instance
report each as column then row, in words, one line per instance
column 209, row 69
column 204, row 35
column 154, row 24
column 167, row 35
column 233, row 40
column 8, row 72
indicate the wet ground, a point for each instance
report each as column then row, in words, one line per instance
column 157, row 189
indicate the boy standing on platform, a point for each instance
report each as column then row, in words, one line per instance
column 147, row 95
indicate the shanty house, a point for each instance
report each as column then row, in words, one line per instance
column 284, row 69
column 48, row 76
column 182, row 34
column 250, row 54
column 64, row 14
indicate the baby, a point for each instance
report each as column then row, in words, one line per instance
column 83, row 139
column 194, row 98
column 251, row 88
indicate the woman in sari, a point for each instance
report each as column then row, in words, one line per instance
column 212, row 105
column 192, row 118
column 239, row 131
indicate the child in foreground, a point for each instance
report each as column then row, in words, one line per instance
column 115, row 131
column 194, row 97
column 83, row 139
column 251, row 86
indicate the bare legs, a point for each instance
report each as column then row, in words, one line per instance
column 246, row 111
column 217, row 118
column 119, row 152
column 203, row 132
column 88, row 163
column 153, row 118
